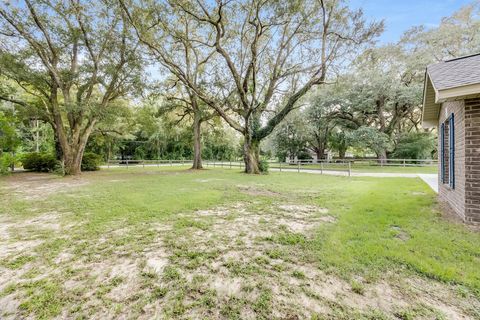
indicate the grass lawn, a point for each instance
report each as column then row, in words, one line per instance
column 367, row 168
column 173, row 243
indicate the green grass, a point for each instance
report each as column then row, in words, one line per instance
column 365, row 168
column 383, row 226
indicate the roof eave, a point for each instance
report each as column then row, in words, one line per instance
column 456, row 93
column 431, row 108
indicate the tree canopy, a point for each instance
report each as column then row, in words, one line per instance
column 171, row 79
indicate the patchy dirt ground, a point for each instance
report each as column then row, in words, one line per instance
column 38, row 186
column 235, row 261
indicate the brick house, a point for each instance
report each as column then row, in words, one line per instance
column 451, row 102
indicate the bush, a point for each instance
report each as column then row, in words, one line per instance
column 39, row 162
column 263, row 166
column 6, row 161
column 415, row 145
column 91, row 161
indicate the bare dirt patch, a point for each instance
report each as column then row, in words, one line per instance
column 400, row 233
column 302, row 209
column 35, row 186
column 18, row 247
column 228, row 261
column 257, row 191
column 243, row 272
column 207, row 180
column 19, row 236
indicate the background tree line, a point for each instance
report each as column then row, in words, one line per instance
column 375, row 105
column 224, row 79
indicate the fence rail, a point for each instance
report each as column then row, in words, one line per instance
column 276, row 166
column 374, row 162
column 135, row 163
column 345, row 166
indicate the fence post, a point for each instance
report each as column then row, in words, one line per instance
column 280, row 166
column 298, row 165
column 349, row 168
column 230, row 164
column 127, row 163
column 321, row 167
column 171, row 163
column 404, row 162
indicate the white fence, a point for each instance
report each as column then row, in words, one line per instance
column 373, row 162
column 276, row 166
column 345, row 166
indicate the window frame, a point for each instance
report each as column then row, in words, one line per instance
column 442, row 152
column 451, row 146
column 450, row 121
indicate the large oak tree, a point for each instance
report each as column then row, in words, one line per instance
column 268, row 54
column 75, row 57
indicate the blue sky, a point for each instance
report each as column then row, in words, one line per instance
column 400, row 15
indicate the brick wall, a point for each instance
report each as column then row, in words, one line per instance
column 472, row 161
column 454, row 197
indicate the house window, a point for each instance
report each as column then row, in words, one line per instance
column 447, row 140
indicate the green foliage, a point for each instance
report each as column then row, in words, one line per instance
column 290, row 137
column 415, row 145
column 218, row 144
column 39, row 162
column 9, row 139
column 6, row 160
column 339, row 141
column 91, row 161
column 157, row 134
column 263, row 166
column 371, row 138
column 455, row 36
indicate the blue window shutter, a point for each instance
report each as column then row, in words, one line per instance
column 442, row 152
column 452, row 151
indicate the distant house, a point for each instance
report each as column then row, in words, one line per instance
column 451, row 102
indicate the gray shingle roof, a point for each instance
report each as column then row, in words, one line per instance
column 455, row 73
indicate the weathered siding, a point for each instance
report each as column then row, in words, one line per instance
column 454, row 197
column 472, row 161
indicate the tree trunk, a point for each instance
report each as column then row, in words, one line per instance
column 341, row 153
column 320, row 153
column 72, row 163
column 73, row 150
column 382, row 157
column 251, row 156
column 73, row 156
column 197, row 141
column 12, row 164
column 58, row 147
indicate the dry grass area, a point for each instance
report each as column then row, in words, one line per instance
column 98, row 247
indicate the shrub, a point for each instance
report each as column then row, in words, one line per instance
column 39, row 162
column 6, row 161
column 263, row 166
column 91, row 161
column 415, row 145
